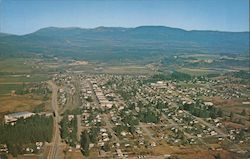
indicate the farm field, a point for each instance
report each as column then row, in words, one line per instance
column 127, row 70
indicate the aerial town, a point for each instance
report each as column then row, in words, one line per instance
column 124, row 79
column 135, row 116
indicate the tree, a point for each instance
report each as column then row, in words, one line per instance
column 89, row 99
column 243, row 112
column 85, row 141
column 231, row 116
column 93, row 134
column 106, row 147
column 132, row 129
column 220, row 112
column 63, row 129
column 3, row 156
column 241, row 135
column 217, row 156
column 12, row 149
column 26, row 131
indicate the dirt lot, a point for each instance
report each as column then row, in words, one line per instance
column 191, row 152
column 24, row 157
column 229, row 104
column 74, row 155
column 17, row 103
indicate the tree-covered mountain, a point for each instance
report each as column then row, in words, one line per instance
column 118, row 43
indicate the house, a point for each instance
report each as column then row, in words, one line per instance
column 119, row 152
column 3, row 148
column 70, row 117
column 208, row 103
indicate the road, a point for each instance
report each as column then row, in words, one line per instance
column 178, row 125
column 56, row 133
column 104, row 116
column 79, row 127
column 145, row 129
column 76, row 97
column 219, row 131
column 109, row 127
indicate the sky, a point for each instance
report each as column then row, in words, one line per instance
column 26, row 16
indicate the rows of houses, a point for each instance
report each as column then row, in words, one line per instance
column 103, row 101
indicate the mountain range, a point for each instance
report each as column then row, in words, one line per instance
column 122, row 43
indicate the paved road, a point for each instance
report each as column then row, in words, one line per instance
column 56, row 138
column 76, row 97
column 219, row 131
column 109, row 127
column 79, row 127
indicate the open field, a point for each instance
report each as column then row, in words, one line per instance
column 188, row 152
column 5, row 89
column 230, row 104
column 127, row 70
column 237, row 108
column 110, row 69
column 18, row 103
column 10, row 102
column 18, row 74
column 198, row 71
column 23, row 78
column 24, row 157
column 74, row 155
column 15, row 65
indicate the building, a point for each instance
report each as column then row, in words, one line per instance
column 15, row 116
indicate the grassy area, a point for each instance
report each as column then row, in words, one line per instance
column 18, row 103
column 21, row 102
column 23, row 78
column 127, row 70
column 242, row 106
column 238, row 108
column 197, row 71
column 7, row 88
column 15, row 65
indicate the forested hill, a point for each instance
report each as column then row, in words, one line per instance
column 116, row 42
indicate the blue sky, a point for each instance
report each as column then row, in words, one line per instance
column 26, row 16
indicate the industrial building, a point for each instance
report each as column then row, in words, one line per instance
column 15, row 116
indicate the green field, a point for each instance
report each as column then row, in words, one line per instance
column 127, row 70
column 7, row 88
column 198, row 71
column 23, row 78
column 15, row 65
column 241, row 106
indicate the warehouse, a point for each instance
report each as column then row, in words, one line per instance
column 15, row 116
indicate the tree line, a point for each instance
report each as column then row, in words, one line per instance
column 69, row 130
column 202, row 111
column 25, row 132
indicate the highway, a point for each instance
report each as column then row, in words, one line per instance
column 56, row 133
